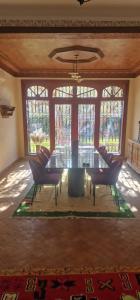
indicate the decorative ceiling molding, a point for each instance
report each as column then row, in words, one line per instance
column 85, row 54
column 71, row 23
column 89, row 28
column 85, row 74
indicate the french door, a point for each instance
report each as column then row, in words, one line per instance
column 86, row 124
column 62, row 125
column 56, row 114
column 82, row 128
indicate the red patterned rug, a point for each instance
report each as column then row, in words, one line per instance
column 105, row 286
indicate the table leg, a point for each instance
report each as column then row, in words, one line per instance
column 76, row 182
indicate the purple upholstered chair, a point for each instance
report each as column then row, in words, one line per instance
column 42, row 158
column 46, row 151
column 42, row 177
column 108, row 157
column 101, row 149
column 107, row 176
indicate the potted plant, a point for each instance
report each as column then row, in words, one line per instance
column 38, row 137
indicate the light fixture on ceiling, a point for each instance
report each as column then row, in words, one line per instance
column 75, row 74
column 82, row 1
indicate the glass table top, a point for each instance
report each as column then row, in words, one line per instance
column 82, row 157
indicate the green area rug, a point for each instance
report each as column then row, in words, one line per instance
column 27, row 209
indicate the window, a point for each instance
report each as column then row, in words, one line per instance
column 37, row 91
column 112, row 91
column 111, row 117
column 86, row 123
column 93, row 114
column 63, row 92
column 62, row 125
column 37, row 118
column 86, row 92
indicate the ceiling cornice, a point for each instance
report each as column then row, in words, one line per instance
column 85, row 74
column 46, row 25
column 94, row 28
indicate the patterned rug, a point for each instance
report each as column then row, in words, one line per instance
column 106, row 204
column 99, row 286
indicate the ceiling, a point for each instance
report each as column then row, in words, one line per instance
column 26, row 54
column 69, row 8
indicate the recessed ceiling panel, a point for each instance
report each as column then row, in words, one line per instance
column 30, row 56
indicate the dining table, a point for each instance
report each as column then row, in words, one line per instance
column 76, row 160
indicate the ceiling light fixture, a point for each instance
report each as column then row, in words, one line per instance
column 75, row 74
column 82, row 1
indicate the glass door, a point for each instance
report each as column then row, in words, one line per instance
column 86, row 124
column 38, row 127
column 111, row 120
column 62, row 125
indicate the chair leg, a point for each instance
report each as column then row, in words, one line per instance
column 110, row 188
column 56, row 194
column 117, row 196
column 60, row 186
column 34, row 192
column 38, row 188
column 86, row 179
column 94, row 194
column 90, row 187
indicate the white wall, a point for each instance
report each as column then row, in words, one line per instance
column 8, row 126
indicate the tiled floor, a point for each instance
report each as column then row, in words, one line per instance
column 66, row 245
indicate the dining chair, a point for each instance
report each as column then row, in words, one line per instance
column 107, row 156
column 111, row 157
column 42, row 157
column 101, row 149
column 46, row 151
column 106, row 176
column 42, row 177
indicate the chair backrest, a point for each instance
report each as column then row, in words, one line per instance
column 46, row 151
column 42, row 157
column 109, row 158
column 101, row 149
column 115, row 168
column 108, row 176
column 37, row 169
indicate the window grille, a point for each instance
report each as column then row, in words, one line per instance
column 111, row 116
column 63, row 92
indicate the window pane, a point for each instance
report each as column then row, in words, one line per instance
column 62, row 125
column 112, row 91
column 35, row 90
column 38, row 133
column 63, row 92
column 86, row 121
column 86, row 92
column 111, row 125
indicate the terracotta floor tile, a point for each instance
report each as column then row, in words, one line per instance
column 66, row 244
